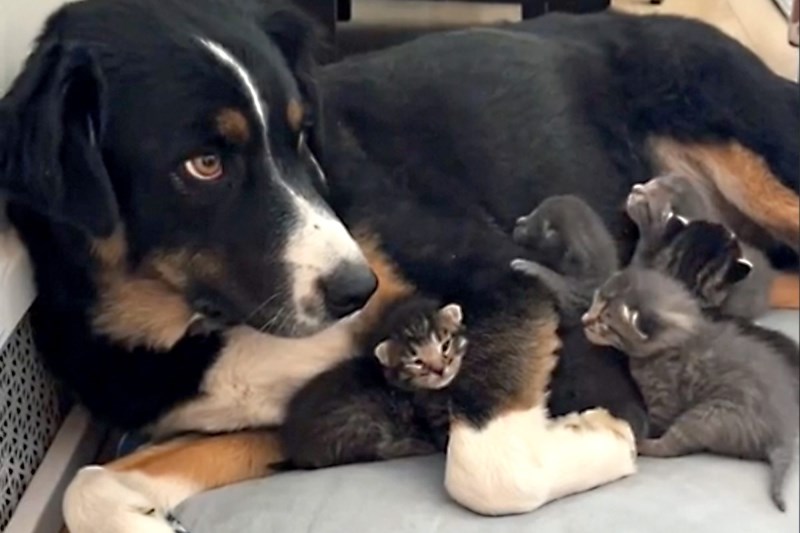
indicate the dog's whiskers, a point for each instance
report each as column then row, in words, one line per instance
column 262, row 305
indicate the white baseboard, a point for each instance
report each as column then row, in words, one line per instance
column 76, row 444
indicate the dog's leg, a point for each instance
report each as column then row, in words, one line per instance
column 785, row 293
column 137, row 493
column 520, row 460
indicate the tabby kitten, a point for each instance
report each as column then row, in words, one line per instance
column 651, row 205
column 577, row 254
column 389, row 402
column 705, row 257
column 708, row 384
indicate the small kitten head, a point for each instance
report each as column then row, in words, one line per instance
column 566, row 235
column 426, row 351
column 650, row 204
column 641, row 313
column 705, row 257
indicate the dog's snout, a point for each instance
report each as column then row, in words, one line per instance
column 348, row 288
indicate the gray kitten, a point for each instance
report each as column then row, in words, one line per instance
column 708, row 384
column 389, row 402
column 574, row 250
column 650, row 206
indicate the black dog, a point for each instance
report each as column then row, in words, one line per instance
column 160, row 156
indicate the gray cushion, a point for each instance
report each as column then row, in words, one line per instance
column 699, row 494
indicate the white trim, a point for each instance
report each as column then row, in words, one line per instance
column 16, row 280
column 76, row 444
column 226, row 58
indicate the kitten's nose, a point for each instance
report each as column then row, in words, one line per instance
column 437, row 369
column 587, row 319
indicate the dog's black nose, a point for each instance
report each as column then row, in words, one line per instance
column 348, row 288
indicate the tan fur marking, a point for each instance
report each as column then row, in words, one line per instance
column 134, row 309
column 141, row 312
column 208, row 462
column 111, row 251
column 175, row 266
column 232, row 124
column 391, row 284
column 294, row 115
column 539, row 334
column 785, row 292
column 743, row 178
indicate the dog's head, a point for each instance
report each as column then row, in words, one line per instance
column 174, row 138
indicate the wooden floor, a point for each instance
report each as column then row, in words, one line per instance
column 759, row 24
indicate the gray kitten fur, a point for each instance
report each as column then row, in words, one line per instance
column 709, row 384
column 649, row 205
column 574, row 250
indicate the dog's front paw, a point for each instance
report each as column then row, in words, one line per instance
column 600, row 419
column 99, row 499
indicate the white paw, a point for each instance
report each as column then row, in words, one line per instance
column 100, row 500
column 587, row 450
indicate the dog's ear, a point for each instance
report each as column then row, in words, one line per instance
column 295, row 33
column 51, row 125
column 301, row 41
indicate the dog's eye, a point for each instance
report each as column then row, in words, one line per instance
column 206, row 167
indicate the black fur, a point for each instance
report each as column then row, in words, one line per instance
column 436, row 146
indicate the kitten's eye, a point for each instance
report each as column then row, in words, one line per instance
column 446, row 345
column 416, row 364
column 205, row 167
column 413, row 352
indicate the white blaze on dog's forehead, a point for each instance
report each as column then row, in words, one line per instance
column 250, row 89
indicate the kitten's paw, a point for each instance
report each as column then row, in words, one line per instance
column 653, row 448
column 527, row 267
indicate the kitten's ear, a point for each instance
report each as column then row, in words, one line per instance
column 451, row 313
column 739, row 270
column 382, row 353
column 636, row 321
column 675, row 224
